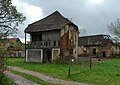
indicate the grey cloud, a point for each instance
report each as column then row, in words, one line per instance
column 93, row 18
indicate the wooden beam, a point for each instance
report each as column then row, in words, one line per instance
column 25, row 46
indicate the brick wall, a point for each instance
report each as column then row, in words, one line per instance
column 68, row 41
column 64, row 41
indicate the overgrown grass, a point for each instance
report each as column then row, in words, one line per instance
column 102, row 73
column 5, row 80
column 32, row 78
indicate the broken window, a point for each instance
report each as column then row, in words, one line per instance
column 94, row 50
column 54, row 43
column 104, row 54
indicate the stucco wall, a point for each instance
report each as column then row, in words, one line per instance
column 115, row 50
column 101, row 51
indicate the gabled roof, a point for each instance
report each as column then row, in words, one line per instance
column 52, row 22
column 94, row 40
column 9, row 40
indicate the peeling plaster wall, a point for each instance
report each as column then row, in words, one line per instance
column 115, row 50
column 55, row 53
column 88, row 50
column 69, row 41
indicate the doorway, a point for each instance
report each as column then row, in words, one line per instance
column 104, row 54
column 94, row 50
column 47, row 55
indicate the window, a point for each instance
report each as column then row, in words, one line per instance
column 94, row 50
column 54, row 43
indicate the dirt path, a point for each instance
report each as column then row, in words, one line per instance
column 19, row 80
column 46, row 78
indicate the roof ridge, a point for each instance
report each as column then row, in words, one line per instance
column 53, row 13
column 94, row 35
column 54, row 21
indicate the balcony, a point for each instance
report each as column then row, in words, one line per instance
column 43, row 44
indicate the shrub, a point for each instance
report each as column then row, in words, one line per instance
column 2, row 55
column 64, row 60
column 5, row 80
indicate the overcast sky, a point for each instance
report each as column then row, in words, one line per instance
column 92, row 15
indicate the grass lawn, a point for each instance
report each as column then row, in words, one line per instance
column 5, row 80
column 102, row 73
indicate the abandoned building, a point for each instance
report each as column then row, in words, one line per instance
column 96, row 46
column 11, row 44
column 50, row 38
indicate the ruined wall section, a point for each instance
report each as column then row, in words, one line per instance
column 68, row 41
column 101, row 51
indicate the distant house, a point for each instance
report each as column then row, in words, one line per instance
column 97, row 46
column 50, row 38
column 12, row 46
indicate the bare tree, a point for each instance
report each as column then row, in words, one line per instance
column 114, row 27
column 83, row 32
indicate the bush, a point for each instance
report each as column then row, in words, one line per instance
column 5, row 80
column 2, row 55
column 1, row 77
column 64, row 60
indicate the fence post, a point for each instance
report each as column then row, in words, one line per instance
column 69, row 71
column 90, row 62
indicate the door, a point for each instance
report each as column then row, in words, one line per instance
column 47, row 55
column 104, row 54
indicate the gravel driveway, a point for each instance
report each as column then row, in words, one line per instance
column 44, row 77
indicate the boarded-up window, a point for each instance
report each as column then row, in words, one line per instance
column 34, row 55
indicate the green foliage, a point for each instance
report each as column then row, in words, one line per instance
column 2, row 60
column 64, row 60
column 102, row 73
column 18, row 46
column 10, row 18
column 5, row 80
column 2, row 50
column 32, row 78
